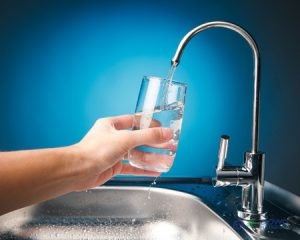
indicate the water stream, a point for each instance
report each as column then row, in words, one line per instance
column 150, row 186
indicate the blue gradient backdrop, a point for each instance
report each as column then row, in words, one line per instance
column 63, row 64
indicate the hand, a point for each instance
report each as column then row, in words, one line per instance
column 107, row 143
column 31, row 176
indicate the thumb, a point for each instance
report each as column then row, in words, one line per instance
column 150, row 136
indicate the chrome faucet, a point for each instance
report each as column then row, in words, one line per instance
column 250, row 176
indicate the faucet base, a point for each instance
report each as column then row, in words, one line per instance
column 250, row 216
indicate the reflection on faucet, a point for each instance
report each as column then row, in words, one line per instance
column 250, row 176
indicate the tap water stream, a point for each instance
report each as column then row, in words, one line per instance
column 169, row 79
column 171, row 73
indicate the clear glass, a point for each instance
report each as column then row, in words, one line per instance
column 160, row 103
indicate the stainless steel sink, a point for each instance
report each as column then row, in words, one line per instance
column 113, row 212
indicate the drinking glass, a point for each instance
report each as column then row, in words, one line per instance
column 160, row 104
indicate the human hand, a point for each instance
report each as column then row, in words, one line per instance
column 107, row 143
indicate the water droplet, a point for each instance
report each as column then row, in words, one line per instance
column 150, row 186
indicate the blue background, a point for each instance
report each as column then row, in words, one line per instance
column 63, row 64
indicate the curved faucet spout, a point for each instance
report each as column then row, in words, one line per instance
column 256, row 73
column 251, row 175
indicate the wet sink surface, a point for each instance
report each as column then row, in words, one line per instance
column 117, row 213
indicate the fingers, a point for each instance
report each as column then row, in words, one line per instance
column 127, row 169
column 139, row 121
column 149, row 136
column 170, row 145
column 151, row 160
column 130, row 121
column 167, row 146
column 122, row 122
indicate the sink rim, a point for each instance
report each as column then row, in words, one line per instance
column 155, row 191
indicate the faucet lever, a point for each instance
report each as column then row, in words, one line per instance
column 223, row 151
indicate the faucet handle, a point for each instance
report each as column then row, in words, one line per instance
column 223, row 151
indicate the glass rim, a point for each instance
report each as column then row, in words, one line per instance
column 165, row 79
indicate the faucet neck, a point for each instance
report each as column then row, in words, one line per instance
column 256, row 71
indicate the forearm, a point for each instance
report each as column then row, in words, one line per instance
column 31, row 176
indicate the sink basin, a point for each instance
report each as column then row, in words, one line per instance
column 113, row 212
